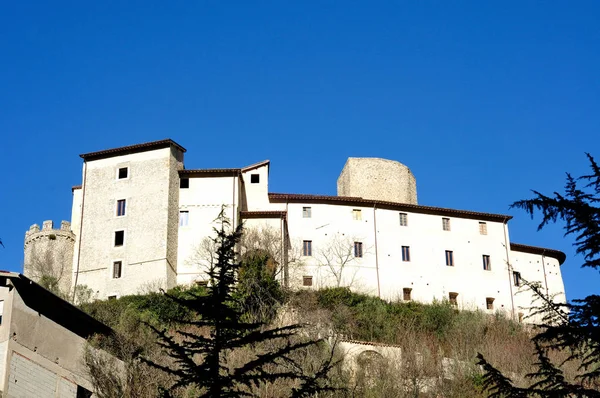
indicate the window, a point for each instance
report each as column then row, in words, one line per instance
column 489, row 303
column 112, row 297
column 1, row 310
column 123, row 173
column 254, row 178
column 406, row 293
column 306, row 212
column 446, row 224
column 307, row 281
column 119, row 238
column 487, row 264
column 517, row 278
column 120, row 207
column 453, row 298
column 405, row 253
column 482, row 228
column 184, row 218
column 184, row 183
column 403, row 219
column 83, row 392
column 449, row 258
column 307, row 248
column 358, row 250
column 356, row 214
column 117, row 267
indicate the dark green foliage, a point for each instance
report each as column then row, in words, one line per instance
column 362, row 317
column 155, row 308
column 573, row 329
column 50, row 283
column 201, row 346
column 258, row 290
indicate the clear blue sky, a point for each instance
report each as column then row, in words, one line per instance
column 482, row 100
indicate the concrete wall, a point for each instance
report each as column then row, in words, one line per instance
column 38, row 357
column 149, row 253
column 377, row 179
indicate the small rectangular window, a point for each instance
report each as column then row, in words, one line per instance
column 184, row 218
column 254, row 178
column 123, row 173
column 482, row 228
column 119, row 238
column 446, row 224
column 83, row 392
column 307, row 281
column 453, row 298
column 306, row 212
column 112, row 297
column 117, row 266
column 449, row 258
column 307, row 248
column 489, row 303
column 405, row 253
column 487, row 263
column 517, row 278
column 403, row 219
column 120, row 207
column 356, row 214
column 184, row 183
column 406, row 293
column 358, row 249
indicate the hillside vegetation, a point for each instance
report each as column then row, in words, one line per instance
column 426, row 334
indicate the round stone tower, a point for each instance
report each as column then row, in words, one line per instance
column 49, row 254
column 377, row 179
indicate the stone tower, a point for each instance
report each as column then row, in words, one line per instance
column 377, row 179
column 49, row 253
column 126, row 215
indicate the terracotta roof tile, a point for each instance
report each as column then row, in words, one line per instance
column 557, row 254
column 208, row 172
column 356, row 201
column 264, row 214
column 147, row 146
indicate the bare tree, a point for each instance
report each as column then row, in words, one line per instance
column 338, row 256
column 266, row 238
column 51, row 269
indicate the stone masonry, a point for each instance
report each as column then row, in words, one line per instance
column 49, row 252
column 377, row 179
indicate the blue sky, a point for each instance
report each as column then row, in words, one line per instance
column 482, row 100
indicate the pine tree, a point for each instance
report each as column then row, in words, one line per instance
column 572, row 328
column 200, row 359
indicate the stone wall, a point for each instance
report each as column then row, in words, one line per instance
column 377, row 179
column 49, row 252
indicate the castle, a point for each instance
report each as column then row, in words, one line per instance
column 140, row 219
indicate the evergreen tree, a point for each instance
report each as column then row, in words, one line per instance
column 200, row 359
column 573, row 329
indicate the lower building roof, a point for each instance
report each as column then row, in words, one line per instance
column 357, row 201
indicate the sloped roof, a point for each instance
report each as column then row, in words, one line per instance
column 125, row 150
column 356, row 201
column 557, row 254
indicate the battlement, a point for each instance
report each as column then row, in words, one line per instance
column 48, row 225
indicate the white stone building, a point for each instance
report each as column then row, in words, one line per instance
column 139, row 216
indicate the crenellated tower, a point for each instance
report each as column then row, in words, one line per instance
column 49, row 253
